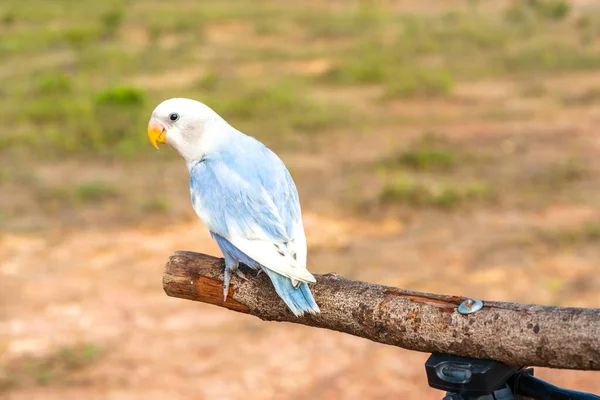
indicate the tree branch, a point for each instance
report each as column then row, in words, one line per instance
column 516, row 334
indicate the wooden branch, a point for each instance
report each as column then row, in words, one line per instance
column 516, row 334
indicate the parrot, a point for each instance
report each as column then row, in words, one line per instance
column 244, row 194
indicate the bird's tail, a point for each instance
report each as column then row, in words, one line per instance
column 299, row 300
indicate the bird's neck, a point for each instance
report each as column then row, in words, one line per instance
column 190, row 164
column 216, row 138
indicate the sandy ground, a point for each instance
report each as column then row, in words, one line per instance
column 104, row 289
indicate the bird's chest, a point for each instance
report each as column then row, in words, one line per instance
column 199, row 205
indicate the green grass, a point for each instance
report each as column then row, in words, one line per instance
column 55, row 368
column 268, row 27
column 427, row 174
column 278, row 108
column 549, row 9
column 69, row 70
column 8, row 18
column 111, row 22
column 156, row 204
column 420, row 83
column 400, row 81
column 120, row 96
column 431, row 152
column 430, row 173
column 117, row 110
column 408, row 191
column 364, row 18
column 462, row 45
column 95, row 191
column 588, row 233
column 79, row 82
column 211, row 81
column 427, row 158
column 53, row 198
column 80, row 37
column 55, row 83
column 357, row 71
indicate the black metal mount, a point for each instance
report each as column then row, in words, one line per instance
column 474, row 379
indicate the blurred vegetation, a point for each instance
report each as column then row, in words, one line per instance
column 80, row 81
column 443, row 195
column 589, row 232
column 428, row 153
column 432, row 159
column 561, row 174
column 73, row 73
column 94, row 191
column 55, row 368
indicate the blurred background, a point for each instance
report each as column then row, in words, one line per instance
column 445, row 146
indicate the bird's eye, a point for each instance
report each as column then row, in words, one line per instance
column 174, row 117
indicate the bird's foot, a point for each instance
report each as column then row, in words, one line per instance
column 226, row 279
column 229, row 270
column 239, row 273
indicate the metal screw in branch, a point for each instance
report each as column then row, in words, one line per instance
column 470, row 306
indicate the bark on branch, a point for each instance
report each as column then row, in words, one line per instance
column 516, row 334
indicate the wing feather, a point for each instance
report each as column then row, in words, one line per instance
column 253, row 203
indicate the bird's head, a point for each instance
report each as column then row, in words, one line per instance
column 185, row 125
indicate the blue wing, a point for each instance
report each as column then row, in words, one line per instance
column 246, row 195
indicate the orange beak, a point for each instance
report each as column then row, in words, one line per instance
column 156, row 133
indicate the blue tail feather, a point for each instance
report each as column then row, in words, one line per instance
column 299, row 300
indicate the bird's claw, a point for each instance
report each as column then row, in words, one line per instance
column 229, row 270
column 241, row 274
column 226, row 280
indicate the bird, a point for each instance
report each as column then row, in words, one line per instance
column 245, row 196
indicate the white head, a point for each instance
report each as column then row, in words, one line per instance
column 186, row 125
